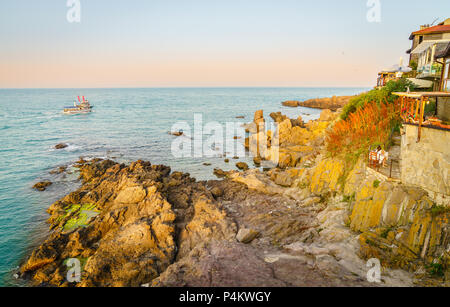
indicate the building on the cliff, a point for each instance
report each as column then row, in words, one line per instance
column 385, row 76
column 425, row 145
column 392, row 74
column 426, row 43
column 444, row 56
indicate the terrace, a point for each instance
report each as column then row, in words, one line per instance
column 413, row 110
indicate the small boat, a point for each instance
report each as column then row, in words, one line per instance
column 81, row 108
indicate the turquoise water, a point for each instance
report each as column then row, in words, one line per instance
column 126, row 125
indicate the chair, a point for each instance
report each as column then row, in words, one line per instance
column 373, row 158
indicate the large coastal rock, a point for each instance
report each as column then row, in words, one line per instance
column 334, row 103
column 293, row 143
column 126, row 225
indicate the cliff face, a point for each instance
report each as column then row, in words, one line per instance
column 400, row 225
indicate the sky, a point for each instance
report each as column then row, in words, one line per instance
column 205, row 43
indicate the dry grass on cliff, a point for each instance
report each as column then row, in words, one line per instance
column 367, row 127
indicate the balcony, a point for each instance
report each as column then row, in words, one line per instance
column 429, row 71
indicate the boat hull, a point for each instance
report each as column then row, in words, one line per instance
column 68, row 111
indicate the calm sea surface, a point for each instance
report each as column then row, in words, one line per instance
column 126, row 125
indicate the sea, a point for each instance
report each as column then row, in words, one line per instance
column 125, row 125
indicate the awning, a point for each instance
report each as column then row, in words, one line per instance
column 396, row 68
column 427, row 44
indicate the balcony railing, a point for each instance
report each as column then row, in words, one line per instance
column 430, row 70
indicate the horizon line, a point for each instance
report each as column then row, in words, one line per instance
column 176, row 87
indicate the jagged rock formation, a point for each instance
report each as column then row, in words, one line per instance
column 293, row 143
column 127, row 224
column 334, row 103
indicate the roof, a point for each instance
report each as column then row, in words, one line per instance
column 432, row 30
column 440, row 46
column 445, row 53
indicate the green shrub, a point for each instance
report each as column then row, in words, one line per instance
column 377, row 95
column 376, row 183
column 436, row 269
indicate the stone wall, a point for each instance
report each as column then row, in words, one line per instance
column 427, row 163
column 443, row 108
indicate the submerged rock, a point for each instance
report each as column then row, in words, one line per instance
column 59, row 170
column 61, row 146
column 177, row 133
column 42, row 186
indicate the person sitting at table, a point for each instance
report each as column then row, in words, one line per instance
column 382, row 156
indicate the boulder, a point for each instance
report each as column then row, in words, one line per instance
column 219, row 173
column 217, row 192
column 278, row 117
column 242, row 166
column 61, row 146
column 42, row 186
column 297, row 122
column 246, row 236
column 258, row 115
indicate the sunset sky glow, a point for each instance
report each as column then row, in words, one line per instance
column 205, row 43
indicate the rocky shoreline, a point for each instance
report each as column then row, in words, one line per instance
column 334, row 103
column 297, row 224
